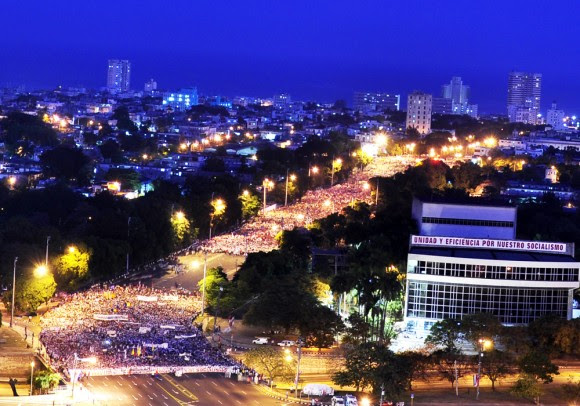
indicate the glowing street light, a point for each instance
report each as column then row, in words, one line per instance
column 291, row 178
column 12, row 181
column 72, row 249
column 245, row 193
column 195, row 264
column 267, row 183
column 483, row 344
column 40, row 271
column 336, row 165
column 179, row 215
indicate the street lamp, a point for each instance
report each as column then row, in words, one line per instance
column 40, row 271
column 482, row 345
column 335, row 167
column 265, row 185
column 31, row 376
column 291, row 178
column 13, row 292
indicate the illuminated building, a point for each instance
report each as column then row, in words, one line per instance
column 119, row 75
column 419, row 108
column 466, row 260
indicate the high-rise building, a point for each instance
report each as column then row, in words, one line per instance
column 523, row 99
column 368, row 101
column 456, row 91
column 182, row 99
column 119, row 75
column 419, row 108
column 150, row 86
column 458, row 94
column 555, row 118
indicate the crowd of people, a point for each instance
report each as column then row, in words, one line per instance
column 127, row 326
column 259, row 234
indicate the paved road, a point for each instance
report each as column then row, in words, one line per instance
column 168, row 390
column 193, row 265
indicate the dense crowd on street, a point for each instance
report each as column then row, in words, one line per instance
column 259, row 234
column 126, row 326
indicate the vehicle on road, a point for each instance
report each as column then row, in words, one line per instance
column 286, row 343
column 260, row 340
column 351, row 400
column 337, row 401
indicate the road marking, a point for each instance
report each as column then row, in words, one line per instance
column 165, row 404
column 226, row 392
column 208, row 392
column 134, row 397
column 164, row 397
column 238, row 401
column 244, row 392
column 214, row 383
column 197, row 383
column 219, row 401
column 154, row 394
column 139, row 395
column 149, row 396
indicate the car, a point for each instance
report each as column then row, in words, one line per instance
column 260, row 340
column 351, row 400
column 337, row 401
column 286, row 343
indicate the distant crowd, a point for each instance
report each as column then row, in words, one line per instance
column 260, row 233
column 124, row 326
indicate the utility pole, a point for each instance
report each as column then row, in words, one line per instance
column 286, row 195
column 128, row 244
column 456, row 378
column 382, row 394
column 377, row 195
column 203, row 285
column 298, row 366
column 47, row 241
column 13, row 292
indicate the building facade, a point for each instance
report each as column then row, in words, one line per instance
column 524, row 96
column 368, row 101
column 555, row 118
column 119, row 75
column 419, row 109
column 442, row 105
column 181, row 100
column 150, row 86
column 456, row 272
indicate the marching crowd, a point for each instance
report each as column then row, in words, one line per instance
column 126, row 326
column 260, row 233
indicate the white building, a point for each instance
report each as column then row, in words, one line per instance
column 473, row 264
column 555, row 118
column 524, row 96
column 419, row 108
column 119, row 75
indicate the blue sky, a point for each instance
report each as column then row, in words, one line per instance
column 312, row 49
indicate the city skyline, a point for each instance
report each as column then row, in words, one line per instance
column 323, row 51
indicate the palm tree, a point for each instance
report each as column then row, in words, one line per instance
column 46, row 380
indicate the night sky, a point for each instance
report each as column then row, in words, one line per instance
column 314, row 49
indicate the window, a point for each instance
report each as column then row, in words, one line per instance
column 467, row 222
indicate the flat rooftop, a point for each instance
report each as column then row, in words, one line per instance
column 490, row 254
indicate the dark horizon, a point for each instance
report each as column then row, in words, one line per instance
column 323, row 51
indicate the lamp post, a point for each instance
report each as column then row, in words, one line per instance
column 265, row 185
column 31, row 376
column 216, row 308
column 128, row 243
column 47, row 241
column 298, row 366
column 292, row 178
column 13, row 293
column 482, row 344
column 335, row 163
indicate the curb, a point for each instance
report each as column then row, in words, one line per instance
column 267, row 391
